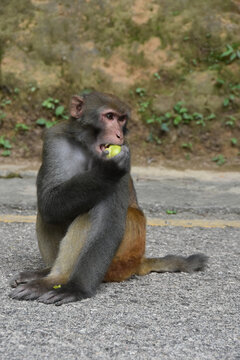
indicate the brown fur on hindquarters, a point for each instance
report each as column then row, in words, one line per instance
column 132, row 248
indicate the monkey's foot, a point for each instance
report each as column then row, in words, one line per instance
column 31, row 290
column 27, row 276
column 58, row 297
column 62, row 295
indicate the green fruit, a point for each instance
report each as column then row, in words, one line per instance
column 113, row 150
column 57, row 286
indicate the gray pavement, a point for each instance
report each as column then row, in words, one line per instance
column 159, row 316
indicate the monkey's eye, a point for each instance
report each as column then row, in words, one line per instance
column 110, row 116
column 122, row 118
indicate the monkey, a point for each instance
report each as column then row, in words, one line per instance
column 90, row 227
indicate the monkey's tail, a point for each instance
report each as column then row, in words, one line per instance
column 173, row 263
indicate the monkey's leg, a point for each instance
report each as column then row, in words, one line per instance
column 132, row 248
column 68, row 253
column 49, row 237
column 173, row 263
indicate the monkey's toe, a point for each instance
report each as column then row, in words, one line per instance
column 29, row 291
column 58, row 297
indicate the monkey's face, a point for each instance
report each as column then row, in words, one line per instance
column 113, row 126
column 102, row 119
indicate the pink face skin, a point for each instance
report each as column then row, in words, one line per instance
column 112, row 133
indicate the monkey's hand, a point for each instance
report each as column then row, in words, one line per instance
column 118, row 165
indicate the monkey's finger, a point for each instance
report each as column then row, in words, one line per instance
column 57, row 297
column 20, row 293
column 66, row 300
column 50, row 297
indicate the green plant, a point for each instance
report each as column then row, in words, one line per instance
column 140, row 91
column 234, row 141
column 143, row 106
column 187, row 146
column 219, row 159
column 60, row 112
column 219, row 82
column 228, row 100
column 230, row 54
column 50, row 103
column 5, row 144
column 231, row 121
column 21, row 127
column 5, row 102
column 45, row 122
column 2, row 115
column 6, row 153
column 157, row 76
column 171, row 212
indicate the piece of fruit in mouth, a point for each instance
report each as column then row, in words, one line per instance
column 112, row 150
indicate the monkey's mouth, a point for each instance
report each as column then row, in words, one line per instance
column 104, row 147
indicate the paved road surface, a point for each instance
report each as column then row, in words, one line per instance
column 159, row 316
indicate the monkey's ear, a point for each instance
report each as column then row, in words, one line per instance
column 76, row 106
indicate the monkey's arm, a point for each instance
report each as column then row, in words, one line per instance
column 108, row 219
column 65, row 191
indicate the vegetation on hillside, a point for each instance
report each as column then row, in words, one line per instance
column 176, row 63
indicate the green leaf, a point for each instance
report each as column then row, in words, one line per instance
column 49, row 124
column 211, row 117
column 197, row 116
column 41, row 121
column 219, row 159
column 220, row 82
column 226, row 102
column 6, row 153
column 233, row 56
column 150, row 121
column 23, row 127
column 171, row 212
column 168, row 115
column 183, row 110
column 59, row 110
column 178, row 106
column 234, row 141
column 177, row 120
column 164, row 127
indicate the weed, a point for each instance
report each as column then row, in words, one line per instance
column 228, row 100
column 234, row 141
column 231, row 53
column 2, row 115
column 219, row 159
column 171, row 212
column 5, row 144
column 231, row 121
column 50, row 103
column 143, row 106
column 6, row 153
column 140, row 91
column 45, row 122
column 187, row 146
column 5, row 102
column 21, row 127
column 157, row 76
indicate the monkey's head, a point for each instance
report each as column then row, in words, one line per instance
column 101, row 120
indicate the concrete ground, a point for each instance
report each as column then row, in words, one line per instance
column 159, row 316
